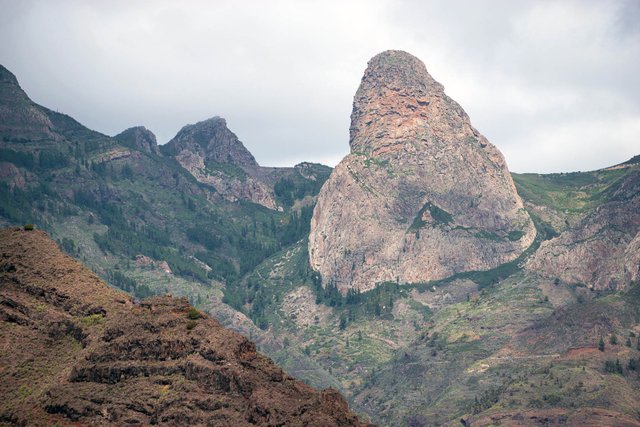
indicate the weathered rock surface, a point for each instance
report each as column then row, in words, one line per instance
column 77, row 352
column 422, row 195
column 213, row 141
column 140, row 138
column 214, row 155
column 602, row 251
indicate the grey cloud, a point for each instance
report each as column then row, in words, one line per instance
column 553, row 84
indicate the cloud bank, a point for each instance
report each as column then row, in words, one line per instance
column 553, row 84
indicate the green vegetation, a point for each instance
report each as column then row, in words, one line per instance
column 92, row 319
column 296, row 186
column 612, row 367
column 570, row 192
column 439, row 215
column 120, row 280
column 228, row 169
column 193, row 314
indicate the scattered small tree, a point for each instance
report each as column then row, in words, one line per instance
column 628, row 342
column 28, row 227
column 191, row 324
column 601, row 344
column 343, row 322
column 613, row 339
column 613, row 367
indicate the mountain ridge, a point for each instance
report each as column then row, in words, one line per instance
column 508, row 344
column 106, row 359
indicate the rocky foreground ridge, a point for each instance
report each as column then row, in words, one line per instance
column 422, row 195
column 77, row 352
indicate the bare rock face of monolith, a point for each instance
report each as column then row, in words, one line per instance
column 422, row 195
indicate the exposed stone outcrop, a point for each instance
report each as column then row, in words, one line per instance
column 83, row 353
column 602, row 251
column 214, row 155
column 212, row 140
column 140, row 138
column 422, row 195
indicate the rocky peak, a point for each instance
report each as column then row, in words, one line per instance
column 213, row 141
column 140, row 138
column 394, row 90
column 422, row 196
column 20, row 118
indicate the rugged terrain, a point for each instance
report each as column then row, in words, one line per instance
column 602, row 248
column 547, row 334
column 77, row 352
column 422, row 195
column 214, row 155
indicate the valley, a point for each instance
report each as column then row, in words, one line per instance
column 419, row 278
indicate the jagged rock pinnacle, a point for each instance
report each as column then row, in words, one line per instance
column 422, row 196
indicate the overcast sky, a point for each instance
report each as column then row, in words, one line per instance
column 554, row 85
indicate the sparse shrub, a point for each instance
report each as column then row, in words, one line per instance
column 613, row 339
column 28, row 227
column 628, row 342
column 191, row 324
column 193, row 314
column 92, row 319
column 601, row 344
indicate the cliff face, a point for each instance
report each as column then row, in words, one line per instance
column 84, row 353
column 422, row 195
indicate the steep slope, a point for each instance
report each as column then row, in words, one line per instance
column 79, row 352
column 112, row 200
column 215, row 156
column 421, row 196
column 21, row 119
column 600, row 246
column 144, row 223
